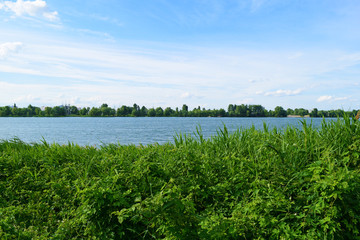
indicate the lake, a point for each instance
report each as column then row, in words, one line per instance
column 142, row 130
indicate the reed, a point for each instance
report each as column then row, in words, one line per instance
column 291, row 183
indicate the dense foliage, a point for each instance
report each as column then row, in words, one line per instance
column 136, row 111
column 251, row 184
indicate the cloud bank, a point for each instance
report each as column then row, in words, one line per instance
column 37, row 8
column 9, row 47
column 281, row 92
column 327, row 98
column 167, row 77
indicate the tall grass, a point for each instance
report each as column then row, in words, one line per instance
column 292, row 183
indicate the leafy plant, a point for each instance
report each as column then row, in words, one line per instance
column 291, row 183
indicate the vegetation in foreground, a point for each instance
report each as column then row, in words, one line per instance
column 270, row 184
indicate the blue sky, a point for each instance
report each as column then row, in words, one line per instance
column 299, row 53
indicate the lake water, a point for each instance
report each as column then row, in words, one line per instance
column 97, row 131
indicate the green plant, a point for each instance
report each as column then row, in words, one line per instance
column 291, row 183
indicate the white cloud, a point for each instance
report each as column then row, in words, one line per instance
column 324, row 98
column 9, row 47
column 97, row 34
column 281, row 92
column 178, row 73
column 354, row 57
column 84, row 94
column 37, row 8
column 295, row 55
column 331, row 98
column 107, row 19
column 185, row 95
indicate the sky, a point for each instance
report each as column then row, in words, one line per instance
column 208, row 53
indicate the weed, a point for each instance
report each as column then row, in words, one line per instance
column 291, row 183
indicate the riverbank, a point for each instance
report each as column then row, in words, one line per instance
column 104, row 110
column 298, row 116
column 295, row 183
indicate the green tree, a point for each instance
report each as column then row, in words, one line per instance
column 123, row 111
column 143, row 111
column 74, row 110
column 58, row 111
column 301, row 111
column 184, row 110
column 168, row 112
column 241, row 110
column 196, row 112
column 48, row 111
column 159, row 112
column 106, row 111
column 151, row 112
column 95, row 112
column 256, row 111
column 231, row 110
column 15, row 111
column 314, row 113
column 270, row 113
column 30, row 111
column 136, row 111
column 290, row 111
column 84, row 111
column 280, row 112
column 5, row 111
column 221, row 112
column 38, row 112
column 8, row 111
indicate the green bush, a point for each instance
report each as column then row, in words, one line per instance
column 292, row 183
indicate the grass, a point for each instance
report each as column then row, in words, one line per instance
column 292, row 183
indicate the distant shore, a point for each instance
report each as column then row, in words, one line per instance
column 298, row 116
column 104, row 110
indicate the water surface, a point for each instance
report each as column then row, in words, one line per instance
column 142, row 130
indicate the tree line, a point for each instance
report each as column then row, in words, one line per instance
column 104, row 110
